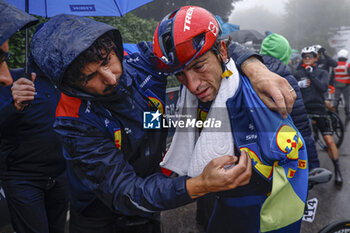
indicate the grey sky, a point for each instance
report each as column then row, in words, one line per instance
column 275, row 6
column 261, row 15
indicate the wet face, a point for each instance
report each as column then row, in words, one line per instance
column 309, row 58
column 5, row 76
column 103, row 76
column 202, row 76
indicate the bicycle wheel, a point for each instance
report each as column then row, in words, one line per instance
column 318, row 137
column 338, row 131
column 341, row 226
column 338, row 128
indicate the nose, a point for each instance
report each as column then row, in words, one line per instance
column 108, row 78
column 5, row 76
column 192, row 82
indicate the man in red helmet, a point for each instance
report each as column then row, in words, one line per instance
column 187, row 43
column 190, row 37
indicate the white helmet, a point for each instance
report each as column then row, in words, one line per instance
column 343, row 53
column 317, row 47
column 310, row 49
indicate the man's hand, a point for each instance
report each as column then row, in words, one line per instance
column 321, row 50
column 270, row 85
column 23, row 90
column 216, row 176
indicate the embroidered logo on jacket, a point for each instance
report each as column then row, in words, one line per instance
column 289, row 142
column 118, row 139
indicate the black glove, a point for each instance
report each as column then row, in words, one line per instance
column 321, row 50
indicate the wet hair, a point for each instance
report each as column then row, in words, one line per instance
column 98, row 51
column 216, row 49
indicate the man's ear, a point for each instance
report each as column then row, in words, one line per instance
column 223, row 51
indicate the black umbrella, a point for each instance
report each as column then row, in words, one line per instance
column 243, row 36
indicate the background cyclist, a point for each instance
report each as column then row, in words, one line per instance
column 313, row 83
column 342, row 80
column 324, row 61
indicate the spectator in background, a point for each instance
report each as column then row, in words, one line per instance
column 30, row 153
column 324, row 61
column 276, row 53
column 342, row 80
column 295, row 59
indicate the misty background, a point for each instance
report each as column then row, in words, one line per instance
column 303, row 23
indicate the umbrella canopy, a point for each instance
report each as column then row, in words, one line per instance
column 49, row 8
column 243, row 36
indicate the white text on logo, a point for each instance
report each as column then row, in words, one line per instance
column 213, row 28
column 188, row 18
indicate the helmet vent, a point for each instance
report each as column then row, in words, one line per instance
column 198, row 41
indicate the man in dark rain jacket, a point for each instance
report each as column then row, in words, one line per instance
column 113, row 162
column 31, row 158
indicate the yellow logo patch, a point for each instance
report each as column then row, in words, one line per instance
column 289, row 142
column 265, row 170
column 118, row 139
column 157, row 103
column 302, row 164
column 291, row 173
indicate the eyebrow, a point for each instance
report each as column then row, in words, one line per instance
column 199, row 61
column 106, row 60
column 89, row 76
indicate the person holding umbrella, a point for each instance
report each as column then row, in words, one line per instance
column 32, row 165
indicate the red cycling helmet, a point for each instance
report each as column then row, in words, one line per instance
column 184, row 35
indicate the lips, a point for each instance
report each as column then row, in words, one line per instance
column 202, row 94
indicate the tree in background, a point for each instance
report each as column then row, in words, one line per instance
column 159, row 8
column 309, row 22
column 132, row 28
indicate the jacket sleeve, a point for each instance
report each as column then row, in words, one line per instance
column 240, row 53
column 300, row 119
column 7, row 110
column 330, row 61
column 103, row 169
column 319, row 79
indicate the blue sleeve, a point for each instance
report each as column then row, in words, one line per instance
column 240, row 53
column 103, row 169
column 300, row 119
